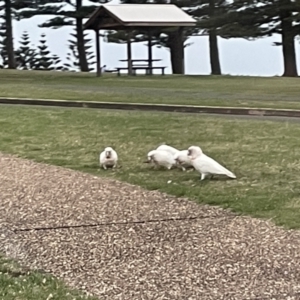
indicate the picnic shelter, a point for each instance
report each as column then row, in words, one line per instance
column 129, row 17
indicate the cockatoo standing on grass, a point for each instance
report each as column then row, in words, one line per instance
column 205, row 164
column 183, row 160
column 161, row 158
column 108, row 158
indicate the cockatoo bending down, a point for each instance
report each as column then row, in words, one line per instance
column 161, row 158
column 183, row 160
column 168, row 148
column 205, row 164
column 108, row 158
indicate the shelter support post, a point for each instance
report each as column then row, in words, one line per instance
column 150, row 52
column 181, row 40
column 98, row 56
column 129, row 56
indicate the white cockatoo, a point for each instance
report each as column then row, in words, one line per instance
column 168, row 148
column 205, row 164
column 108, row 158
column 161, row 158
column 183, row 160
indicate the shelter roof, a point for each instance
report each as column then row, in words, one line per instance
column 120, row 16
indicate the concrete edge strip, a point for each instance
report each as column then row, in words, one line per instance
column 268, row 112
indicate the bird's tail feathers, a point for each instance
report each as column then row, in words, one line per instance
column 230, row 174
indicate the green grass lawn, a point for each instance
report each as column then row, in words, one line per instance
column 275, row 92
column 17, row 284
column 263, row 154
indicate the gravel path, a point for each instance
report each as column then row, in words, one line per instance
column 146, row 245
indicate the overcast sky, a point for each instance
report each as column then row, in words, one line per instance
column 237, row 56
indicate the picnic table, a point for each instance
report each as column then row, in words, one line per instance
column 135, row 65
column 140, row 60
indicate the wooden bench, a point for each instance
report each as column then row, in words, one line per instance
column 121, row 68
column 148, row 69
column 111, row 71
column 141, row 67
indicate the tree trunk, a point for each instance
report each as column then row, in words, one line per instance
column 175, row 43
column 213, row 44
column 288, row 46
column 9, row 36
column 83, row 64
column 214, row 53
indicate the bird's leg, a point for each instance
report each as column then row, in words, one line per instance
column 202, row 176
column 104, row 167
column 183, row 168
column 114, row 166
